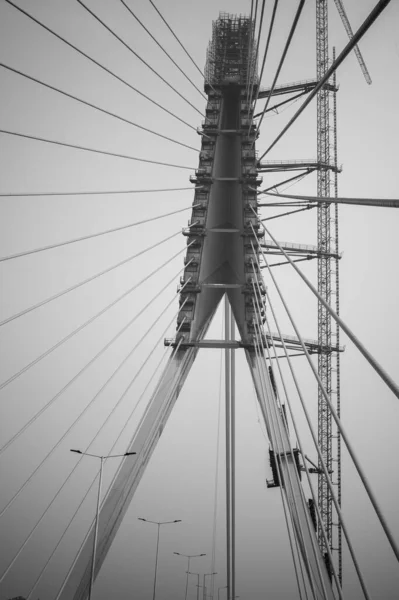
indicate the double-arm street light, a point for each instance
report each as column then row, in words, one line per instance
column 102, row 459
column 189, row 557
column 204, row 588
column 159, row 523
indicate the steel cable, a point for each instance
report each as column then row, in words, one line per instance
column 77, row 554
column 93, row 235
column 86, row 323
column 87, row 365
column 284, row 503
column 94, row 106
column 292, row 212
column 70, row 289
column 177, row 39
column 120, row 79
column 371, row 360
column 256, row 55
column 106, row 420
column 377, row 10
column 264, row 59
column 93, row 14
column 249, row 47
column 314, row 543
column 314, row 437
column 338, row 423
column 97, row 193
column 94, row 479
column 282, row 59
column 298, row 177
column 273, row 418
column 321, row 524
column 94, row 150
column 162, row 48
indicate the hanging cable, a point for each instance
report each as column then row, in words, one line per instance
column 93, row 235
column 112, row 32
column 340, row 427
column 296, row 473
column 249, row 60
column 381, row 372
column 377, row 10
column 268, row 420
column 298, row 177
column 95, row 107
column 284, row 443
column 37, row 580
column 87, row 365
column 250, row 68
column 66, row 291
column 95, row 477
column 321, row 524
column 288, row 510
column 97, row 63
column 98, row 193
column 264, row 60
column 292, row 212
column 177, row 39
column 96, row 151
column 72, row 288
column 62, row 587
column 103, row 424
column 280, row 65
column 162, row 48
column 86, row 323
column 310, row 257
column 314, row 437
column 289, row 101
column 256, row 55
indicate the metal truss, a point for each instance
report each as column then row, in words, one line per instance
column 328, row 287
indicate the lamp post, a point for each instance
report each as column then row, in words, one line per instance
column 189, row 557
column 204, row 588
column 221, row 588
column 102, row 459
column 198, row 583
column 159, row 523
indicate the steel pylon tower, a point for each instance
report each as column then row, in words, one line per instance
column 222, row 259
column 328, row 286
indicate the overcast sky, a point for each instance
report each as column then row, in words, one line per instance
column 180, row 479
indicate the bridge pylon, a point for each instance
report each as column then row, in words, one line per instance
column 222, row 259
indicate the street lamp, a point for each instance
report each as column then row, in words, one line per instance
column 221, row 588
column 159, row 523
column 204, row 588
column 189, row 557
column 102, row 459
column 198, row 584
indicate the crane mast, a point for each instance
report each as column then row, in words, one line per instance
column 328, row 287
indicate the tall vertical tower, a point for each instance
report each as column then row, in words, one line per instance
column 222, row 259
column 327, row 240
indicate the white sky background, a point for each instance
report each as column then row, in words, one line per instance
column 179, row 482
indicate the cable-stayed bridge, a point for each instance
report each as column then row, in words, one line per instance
column 114, row 389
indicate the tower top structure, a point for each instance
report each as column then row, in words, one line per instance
column 231, row 54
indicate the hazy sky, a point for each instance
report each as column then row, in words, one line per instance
column 180, row 480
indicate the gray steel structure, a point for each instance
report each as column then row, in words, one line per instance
column 222, row 259
column 328, row 287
